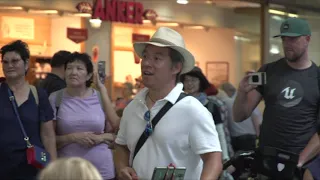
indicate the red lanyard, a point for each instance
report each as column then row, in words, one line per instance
column 172, row 175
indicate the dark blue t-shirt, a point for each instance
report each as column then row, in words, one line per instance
column 13, row 158
column 291, row 98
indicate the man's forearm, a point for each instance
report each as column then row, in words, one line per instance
column 121, row 157
column 212, row 167
column 256, row 122
column 310, row 151
column 240, row 111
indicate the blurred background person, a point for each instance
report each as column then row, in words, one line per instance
column 195, row 83
column 245, row 133
column 70, row 169
column 54, row 81
column 34, row 110
column 217, row 96
column 81, row 120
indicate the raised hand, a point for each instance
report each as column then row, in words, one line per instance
column 244, row 85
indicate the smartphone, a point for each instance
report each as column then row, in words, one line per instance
column 159, row 173
column 102, row 71
column 258, row 78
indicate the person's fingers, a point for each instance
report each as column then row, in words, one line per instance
column 250, row 71
column 248, row 75
column 90, row 142
column 132, row 173
column 250, row 87
column 125, row 175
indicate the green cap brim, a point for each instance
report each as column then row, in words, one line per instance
column 288, row 35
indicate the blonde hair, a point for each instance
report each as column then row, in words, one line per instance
column 73, row 168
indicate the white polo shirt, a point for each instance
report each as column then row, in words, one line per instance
column 184, row 132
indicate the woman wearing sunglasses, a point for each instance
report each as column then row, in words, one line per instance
column 28, row 105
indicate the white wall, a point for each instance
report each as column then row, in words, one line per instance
column 193, row 13
column 101, row 38
column 213, row 45
column 59, row 38
column 314, row 53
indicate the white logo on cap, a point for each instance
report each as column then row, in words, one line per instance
column 280, row 167
column 286, row 26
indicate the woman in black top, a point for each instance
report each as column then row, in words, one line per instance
column 195, row 83
column 35, row 112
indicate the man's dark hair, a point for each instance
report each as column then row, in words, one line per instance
column 59, row 59
column 176, row 58
column 19, row 47
column 86, row 60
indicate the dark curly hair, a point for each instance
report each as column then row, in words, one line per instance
column 85, row 59
column 19, row 47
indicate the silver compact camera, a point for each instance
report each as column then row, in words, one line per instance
column 258, row 78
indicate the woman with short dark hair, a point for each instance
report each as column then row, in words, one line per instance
column 34, row 110
column 195, row 84
column 83, row 116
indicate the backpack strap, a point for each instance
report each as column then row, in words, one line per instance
column 100, row 99
column 59, row 96
column 35, row 93
column 143, row 138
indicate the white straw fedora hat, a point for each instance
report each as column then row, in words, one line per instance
column 166, row 37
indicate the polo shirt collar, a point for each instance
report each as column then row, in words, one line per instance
column 172, row 97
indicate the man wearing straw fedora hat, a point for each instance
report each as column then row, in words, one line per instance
column 185, row 134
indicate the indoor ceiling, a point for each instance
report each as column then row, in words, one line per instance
column 309, row 5
column 232, row 3
column 219, row 3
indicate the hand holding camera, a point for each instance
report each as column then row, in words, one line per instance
column 252, row 80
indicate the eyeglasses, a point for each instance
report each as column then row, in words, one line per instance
column 149, row 128
column 14, row 62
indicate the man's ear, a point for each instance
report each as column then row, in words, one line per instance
column 177, row 68
column 308, row 38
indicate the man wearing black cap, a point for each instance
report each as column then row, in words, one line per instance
column 291, row 95
column 55, row 80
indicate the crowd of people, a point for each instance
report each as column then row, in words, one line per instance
column 177, row 118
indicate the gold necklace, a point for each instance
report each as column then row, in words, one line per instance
column 150, row 98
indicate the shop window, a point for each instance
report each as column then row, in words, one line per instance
column 123, row 53
column 149, row 32
column 124, row 66
column 122, row 37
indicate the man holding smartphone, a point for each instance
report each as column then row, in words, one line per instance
column 291, row 96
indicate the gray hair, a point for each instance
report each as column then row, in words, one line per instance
column 228, row 87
